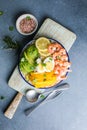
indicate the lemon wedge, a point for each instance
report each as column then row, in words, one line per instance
column 44, row 53
column 42, row 44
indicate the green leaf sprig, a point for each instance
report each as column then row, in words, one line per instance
column 28, row 18
column 2, row 97
column 42, row 96
column 10, row 44
column 11, row 28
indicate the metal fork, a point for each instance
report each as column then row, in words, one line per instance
column 50, row 96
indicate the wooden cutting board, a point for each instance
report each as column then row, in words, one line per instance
column 49, row 29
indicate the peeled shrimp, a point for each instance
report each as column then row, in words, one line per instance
column 67, row 64
column 55, row 55
column 61, row 70
column 62, row 51
column 59, row 78
column 54, row 47
column 59, row 62
column 57, row 69
column 63, row 63
column 64, row 58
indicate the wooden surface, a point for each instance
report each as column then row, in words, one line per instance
column 49, row 29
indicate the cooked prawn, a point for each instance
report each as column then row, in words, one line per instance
column 62, row 51
column 63, row 63
column 57, row 69
column 59, row 62
column 54, row 47
column 67, row 64
column 61, row 70
column 60, row 57
column 51, row 48
column 58, row 46
column 64, row 58
column 59, row 78
column 55, row 55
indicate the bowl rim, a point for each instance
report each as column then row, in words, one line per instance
column 24, row 16
column 29, row 43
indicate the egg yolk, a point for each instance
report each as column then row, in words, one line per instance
column 40, row 68
column 49, row 66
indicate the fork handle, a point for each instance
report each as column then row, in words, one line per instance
column 29, row 110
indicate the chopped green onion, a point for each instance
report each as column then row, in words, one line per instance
column 44, row 75
column 35, row 80
column 43, row 64
column 50, row 58
column 42, row 96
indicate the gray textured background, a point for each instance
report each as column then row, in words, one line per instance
column 68, row 111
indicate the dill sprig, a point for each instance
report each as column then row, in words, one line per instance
column 2, row 97
column 10, row 44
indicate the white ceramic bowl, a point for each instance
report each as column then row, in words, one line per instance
column 22, row 17
column 23, row 76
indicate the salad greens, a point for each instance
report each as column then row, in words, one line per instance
column 28, row 63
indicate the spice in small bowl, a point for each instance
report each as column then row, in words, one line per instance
column 26, row 24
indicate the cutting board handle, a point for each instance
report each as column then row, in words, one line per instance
column 10, row 111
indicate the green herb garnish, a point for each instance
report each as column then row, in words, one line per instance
column 36, row 64
column 44, row 75
column 59, row 57
column 43, row 64
column 2, row 97
column 28, row 17
column 10, row 44
column 32, row 68
column 35, row 80
column 1, row 13
column 50, row 58
column 11, row 28
column 42, row 96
